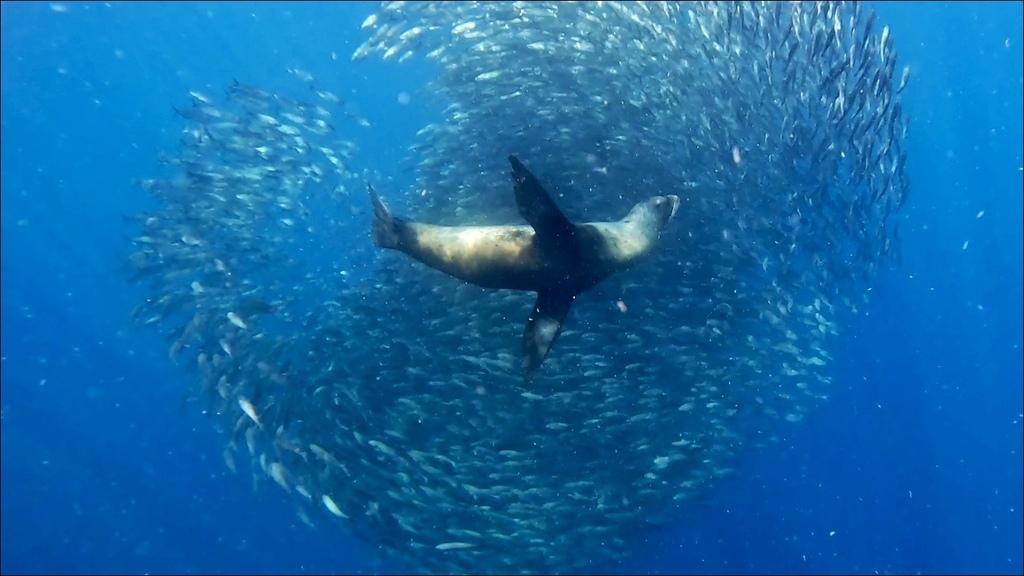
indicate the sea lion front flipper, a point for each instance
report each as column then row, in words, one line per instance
column 536, row 207
column 542, row 328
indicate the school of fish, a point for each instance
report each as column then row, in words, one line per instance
column 392, row 404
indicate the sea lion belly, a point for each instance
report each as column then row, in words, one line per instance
column 488, row 256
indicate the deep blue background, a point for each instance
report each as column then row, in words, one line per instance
column 913, row 465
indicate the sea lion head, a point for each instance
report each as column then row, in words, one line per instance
column 653, row 213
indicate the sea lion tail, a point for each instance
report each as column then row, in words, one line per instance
column 385, row 225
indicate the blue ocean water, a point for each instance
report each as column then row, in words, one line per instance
column 912, row 465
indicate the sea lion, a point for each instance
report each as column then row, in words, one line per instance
column 552, row 256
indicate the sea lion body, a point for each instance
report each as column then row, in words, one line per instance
column 510, row 257
column 553, row 257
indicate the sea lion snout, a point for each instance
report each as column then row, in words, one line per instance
column 662, row 208
column 675, row 204
column 673, row 200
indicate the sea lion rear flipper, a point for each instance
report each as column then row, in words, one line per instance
column 536, row 207
column 385, row 225
column 542, row 328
